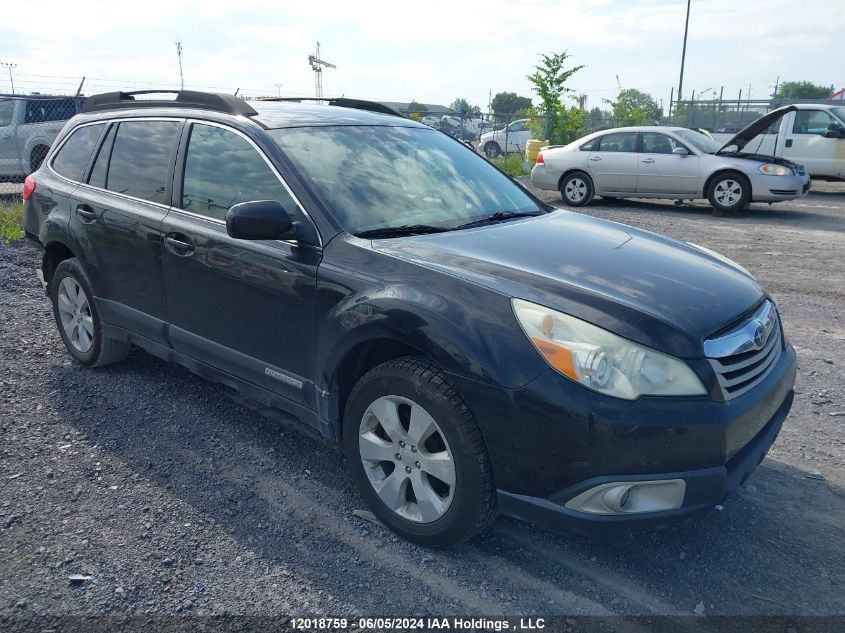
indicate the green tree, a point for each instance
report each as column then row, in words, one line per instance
column 461, row 105
column 549, row 79
column 596, row 117
column 509, row 103
column 802, row 90
column 635, row 107
column 417, row 107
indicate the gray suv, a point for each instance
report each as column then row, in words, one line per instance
column 28, row 126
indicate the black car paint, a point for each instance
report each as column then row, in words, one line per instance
column 286, row 321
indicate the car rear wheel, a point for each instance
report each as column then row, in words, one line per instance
column 729, row 192
column 78, row 319
column 576, row 189
column 492, row 150
column 416, row 454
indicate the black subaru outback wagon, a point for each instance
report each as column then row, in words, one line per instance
column 473, row 349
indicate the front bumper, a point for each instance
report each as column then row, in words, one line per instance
column 773, row 188
column 552, row 440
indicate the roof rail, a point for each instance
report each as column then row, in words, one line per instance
column 184, row 99
column 343, row 102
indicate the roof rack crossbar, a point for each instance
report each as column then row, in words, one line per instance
column 343, row 102
column 184, row 99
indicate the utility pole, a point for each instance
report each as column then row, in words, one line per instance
column 181, row 76
column 777, row 83
column 279, row 88
column 11, row 79
column 683, row 57
column 317, row 65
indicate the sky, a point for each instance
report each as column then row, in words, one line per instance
column 430, row 51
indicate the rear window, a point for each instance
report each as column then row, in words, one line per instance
column 74, row 155
column 619, row 142
column 43, row 110
column 590, row 146
column 140, row 159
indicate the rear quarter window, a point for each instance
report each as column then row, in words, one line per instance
column 72, row 159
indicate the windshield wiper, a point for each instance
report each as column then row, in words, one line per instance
column 498, row 216
column 399, row 231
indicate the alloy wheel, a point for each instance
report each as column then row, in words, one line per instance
column 575, row 190
column 75, row 314
column 728, row 192
column 407, row 459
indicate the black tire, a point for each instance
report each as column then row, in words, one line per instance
column 729, row 192
column 492, row 150
column 473, row 501
column 37, row 156
column 103, row 351
column 577, row 189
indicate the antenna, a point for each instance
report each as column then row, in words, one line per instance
column 181, row 76
column 317, row 65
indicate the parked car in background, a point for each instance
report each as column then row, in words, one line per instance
column 473, row 349
column 510, row 139
column 671, row 162
column 813, row 135
column 28, row 126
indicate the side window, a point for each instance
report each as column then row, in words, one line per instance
column 517, row 126
column 656, row 143
column 74, row 155
column 43, row 110
column 7, row 111
column 223, row 169
column 618, row 142
column 591, row 145
column 140, row 159
column 811, row 122
column 100, row 170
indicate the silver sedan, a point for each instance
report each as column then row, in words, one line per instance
column 670, row 162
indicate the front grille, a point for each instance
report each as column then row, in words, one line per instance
column 740, row 361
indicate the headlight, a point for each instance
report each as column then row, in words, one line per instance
column 603, row 361
column 771, row 169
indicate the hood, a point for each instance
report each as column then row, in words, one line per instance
column 744, row 136
column 652, row 289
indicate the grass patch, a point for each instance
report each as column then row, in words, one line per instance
column 512, row 165
column 11, row 216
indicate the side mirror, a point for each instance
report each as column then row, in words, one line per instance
column 835, row 130
column 681, row 151
column 260, row 220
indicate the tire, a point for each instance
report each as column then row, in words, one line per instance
column 78, row 318
column 492, row 150
column 577, row 189
column 39, row 153
column 729, row 192
column 422, row 508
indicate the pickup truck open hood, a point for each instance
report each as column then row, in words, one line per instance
column 744, row 136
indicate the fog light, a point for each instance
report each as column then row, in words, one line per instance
column 630, row 497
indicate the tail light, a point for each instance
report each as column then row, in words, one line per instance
column 28, row 188
column 540, row 160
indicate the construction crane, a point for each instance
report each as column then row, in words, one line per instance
column 317, row 65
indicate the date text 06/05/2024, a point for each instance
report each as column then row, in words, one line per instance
column 411, row 623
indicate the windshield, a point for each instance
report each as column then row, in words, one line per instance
column 376, row 177
column 699, row 140
column 840, row 112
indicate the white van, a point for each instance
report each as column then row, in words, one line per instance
column 813, row 136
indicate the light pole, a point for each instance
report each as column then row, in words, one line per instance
column 683, row 59
column 279, row 88
column 11, row 80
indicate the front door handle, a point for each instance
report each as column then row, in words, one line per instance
column 788, row 142
column 179, row 244
column 648, row 160
column 595, row 158
column 86, row 213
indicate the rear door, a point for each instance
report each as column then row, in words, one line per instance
column 9, row 157
column 613, row 165
column 119, row 211
column 661, row 171
column 244, row 306
column 807, row 144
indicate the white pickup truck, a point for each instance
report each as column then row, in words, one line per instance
column 812, row 136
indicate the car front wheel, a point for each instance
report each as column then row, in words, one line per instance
column 416, row 454
column 576, row 189
column 492, row 150
column 729, row 192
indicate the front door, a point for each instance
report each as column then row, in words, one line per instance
column 808, row 145
column 613, row 165
column 661, row 171
column 243, row 306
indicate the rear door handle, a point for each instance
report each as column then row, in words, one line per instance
column 179, row 244
column 648, row 160
column 86, row 213
column 595, row 158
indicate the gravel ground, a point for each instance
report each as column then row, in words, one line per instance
column 172, row 495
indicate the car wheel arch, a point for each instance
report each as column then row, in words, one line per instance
column 723, row 172
column 575, row 170
column 54, row 254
